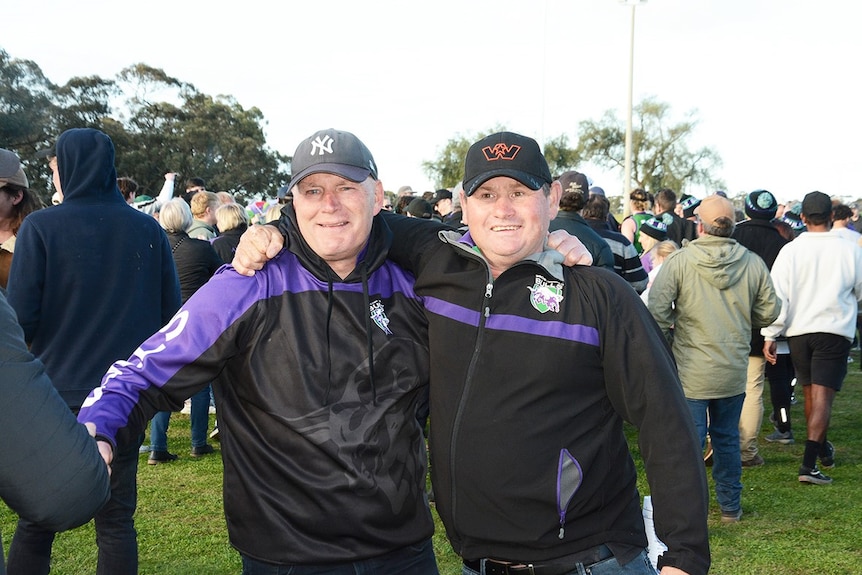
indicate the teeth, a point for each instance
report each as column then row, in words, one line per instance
column 504, row 228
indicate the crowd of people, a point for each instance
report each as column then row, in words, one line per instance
column 357, row 323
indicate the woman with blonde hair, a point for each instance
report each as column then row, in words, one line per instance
column 232, row 221
column 657, row 255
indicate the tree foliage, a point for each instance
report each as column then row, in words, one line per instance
column 661, row 157
column 158, row 124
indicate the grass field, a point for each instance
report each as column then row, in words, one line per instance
column 787, row 528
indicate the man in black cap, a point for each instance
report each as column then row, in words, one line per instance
column 443, row 206
column 550, row 512
column 818, row 277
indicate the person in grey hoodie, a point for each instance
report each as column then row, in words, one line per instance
column 706, row 299
column 52, row 472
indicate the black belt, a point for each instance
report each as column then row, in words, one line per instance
column 585, row 558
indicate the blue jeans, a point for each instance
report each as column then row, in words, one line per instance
column 415, row 559
column 200, row 417
column 159, row 431
column 30, row 552
column 721, row 418
column 640, row 565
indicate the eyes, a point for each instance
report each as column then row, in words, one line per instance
column 517, row 194
column 341, row 190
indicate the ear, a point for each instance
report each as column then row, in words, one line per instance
column 464, row 208
column 379, row 196
column 554, row 199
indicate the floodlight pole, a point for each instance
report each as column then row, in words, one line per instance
column 627, row 169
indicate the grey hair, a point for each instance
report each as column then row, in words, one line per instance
column 176, row 216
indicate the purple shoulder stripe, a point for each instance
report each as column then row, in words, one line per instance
column 556, row 329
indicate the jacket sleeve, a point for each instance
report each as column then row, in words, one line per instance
column 52, row 472
column 778, row 275
column 174, row 363
column 662, row 296
column 413, row 240
column 644, row 388
column 766, row 304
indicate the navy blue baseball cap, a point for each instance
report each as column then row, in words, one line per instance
column 332, row 152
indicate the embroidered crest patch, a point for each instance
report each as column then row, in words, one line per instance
column 546, row 295
column 378, row 315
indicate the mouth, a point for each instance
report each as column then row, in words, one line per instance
column 505, row 228
column 334, row 225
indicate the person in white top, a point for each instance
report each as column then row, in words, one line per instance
column 841, row 215
column 818, row 278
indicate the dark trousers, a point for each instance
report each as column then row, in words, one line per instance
column 780, row 377
column 30, row 551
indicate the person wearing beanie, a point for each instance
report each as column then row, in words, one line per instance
column 688, row 205
column 706, row 299
column 761, row 237
column 818, row 317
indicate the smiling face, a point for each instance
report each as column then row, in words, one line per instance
column 334, row 216
column 508, row 220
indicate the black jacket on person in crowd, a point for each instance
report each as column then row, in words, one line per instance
column 761, row 237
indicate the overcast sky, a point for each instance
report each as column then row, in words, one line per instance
column 774, row 83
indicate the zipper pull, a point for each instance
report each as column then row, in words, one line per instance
column 488, row 289
column 562, row 532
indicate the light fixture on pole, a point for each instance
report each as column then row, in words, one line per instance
column 627, row 169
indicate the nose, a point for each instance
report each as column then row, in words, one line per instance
column 504, row 206
column 330, row 200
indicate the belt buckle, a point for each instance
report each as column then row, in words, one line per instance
column 519, row 569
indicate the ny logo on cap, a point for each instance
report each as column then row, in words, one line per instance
column 321, row 145
column 501, row 151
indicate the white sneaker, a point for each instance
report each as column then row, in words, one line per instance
column 187, row 407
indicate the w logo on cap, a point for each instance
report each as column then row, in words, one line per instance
column 501, row 151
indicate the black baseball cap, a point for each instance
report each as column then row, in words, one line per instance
column 332, row 152
column 441, row 194
column 816, row 204
column 505, row 154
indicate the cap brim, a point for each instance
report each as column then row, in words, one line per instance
column 529, row 180
column 352, row 173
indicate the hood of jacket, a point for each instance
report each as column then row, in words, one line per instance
column 372, row 256
column 85, row 160
column 720, row 261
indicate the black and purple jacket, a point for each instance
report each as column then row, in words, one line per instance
column 532, row 377
column 319, row 383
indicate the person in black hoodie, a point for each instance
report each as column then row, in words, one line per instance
column 759, row 235
column 91, row 279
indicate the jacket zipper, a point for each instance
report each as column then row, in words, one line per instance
column 465, row 392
